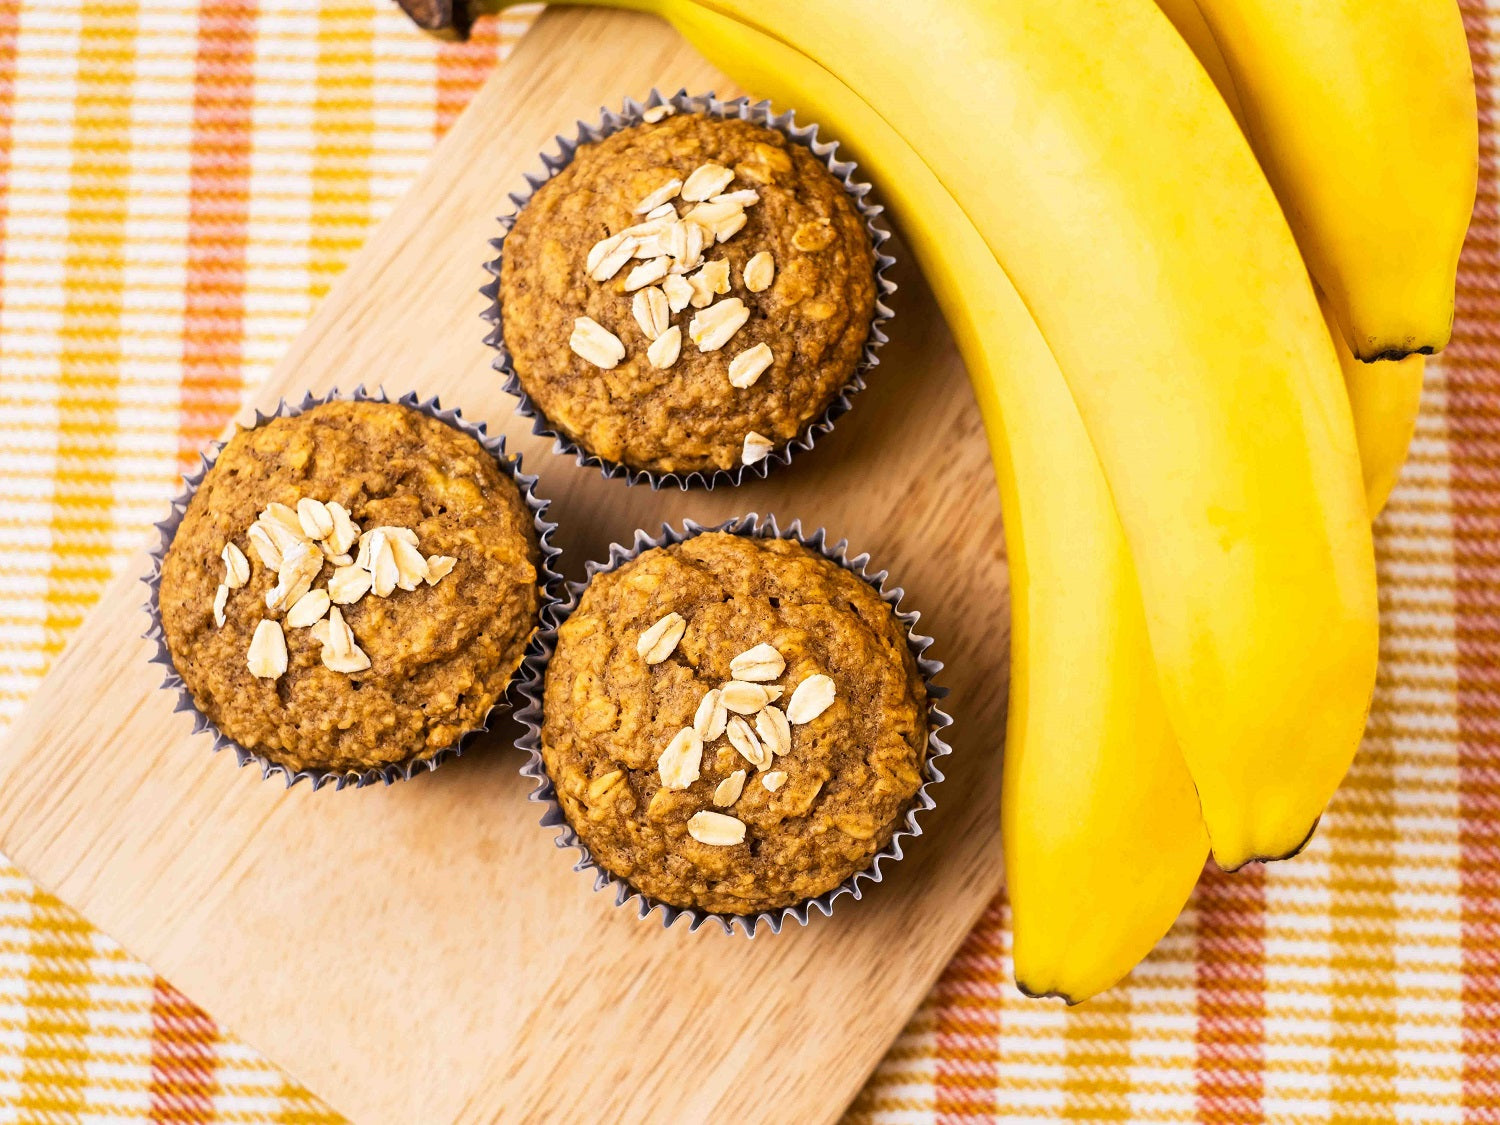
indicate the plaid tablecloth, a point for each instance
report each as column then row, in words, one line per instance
column 180, row 180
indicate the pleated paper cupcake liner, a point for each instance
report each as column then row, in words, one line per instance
column 531, row 714
column 550, row 584
column 758, row 113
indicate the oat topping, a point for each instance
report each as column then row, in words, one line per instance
column 665, row 349
column 609, row 256
column 743, row 739
column 745, row 198
column 267, row 655
column 706, row 180
column 758, row 664
column 811, row 698
column 693, row 238
column 744, row 698
column 679, row 292
column 711, row 716
column 315, row 518
column 263, row 546
column 656, row 198
column 759, row 272
column 729, row 226
column 650, row 310
column 348, row 584
column 728, row 791
column 710, row 215
column 672, row 276
column 282, row 522
column 294, row 542
column 658, row 642
column 749, row 365
column 647, row 273
column 300, row 564
column 774, row 730
column 309, row 608
column 716, row 829
column 383, row 569
column 710, row 281
column 411, row 565
column 595, row 343
column 728, row 710
column 340, row 651
column 236, row 566
column 345, row 531
column 679, row 762
column 656, row 113
column 757, row 448
column 713, row 327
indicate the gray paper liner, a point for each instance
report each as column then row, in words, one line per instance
column 609, row 123
column 532, row 689
column 549, row 581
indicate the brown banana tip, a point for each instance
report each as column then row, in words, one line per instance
column 1398, row 353
column 1298, row 850
column 1045, row 994
column 452, row 18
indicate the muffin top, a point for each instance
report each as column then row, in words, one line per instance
column 733, row 724
column 350, row 587
column 687, row 295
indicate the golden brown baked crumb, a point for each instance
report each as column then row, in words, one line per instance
column 440, row 654
column 814, row 314
column 850, row 771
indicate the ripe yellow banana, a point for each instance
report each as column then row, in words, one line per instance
column 1116, row 191
column 1103, row 838
column 1363, row 116
column 1384, row 395
column 1188, row 19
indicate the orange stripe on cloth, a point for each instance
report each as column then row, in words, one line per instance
column 182, row 1059
column 218, row 210
column 1230, row 1078
column 966, row 1035
column 1474, row 435
column 461, row 68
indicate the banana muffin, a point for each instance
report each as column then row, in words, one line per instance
column 351, row 587
column 733, row 724
column 687, row 294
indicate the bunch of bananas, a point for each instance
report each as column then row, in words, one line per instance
column 1118, row 206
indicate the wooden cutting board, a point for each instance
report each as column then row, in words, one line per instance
column 423, row 952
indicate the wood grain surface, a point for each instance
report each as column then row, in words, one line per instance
column 423, row 952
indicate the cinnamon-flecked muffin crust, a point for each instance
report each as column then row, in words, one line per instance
column 350, row 587
column 733, row 724
column 648, row 343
